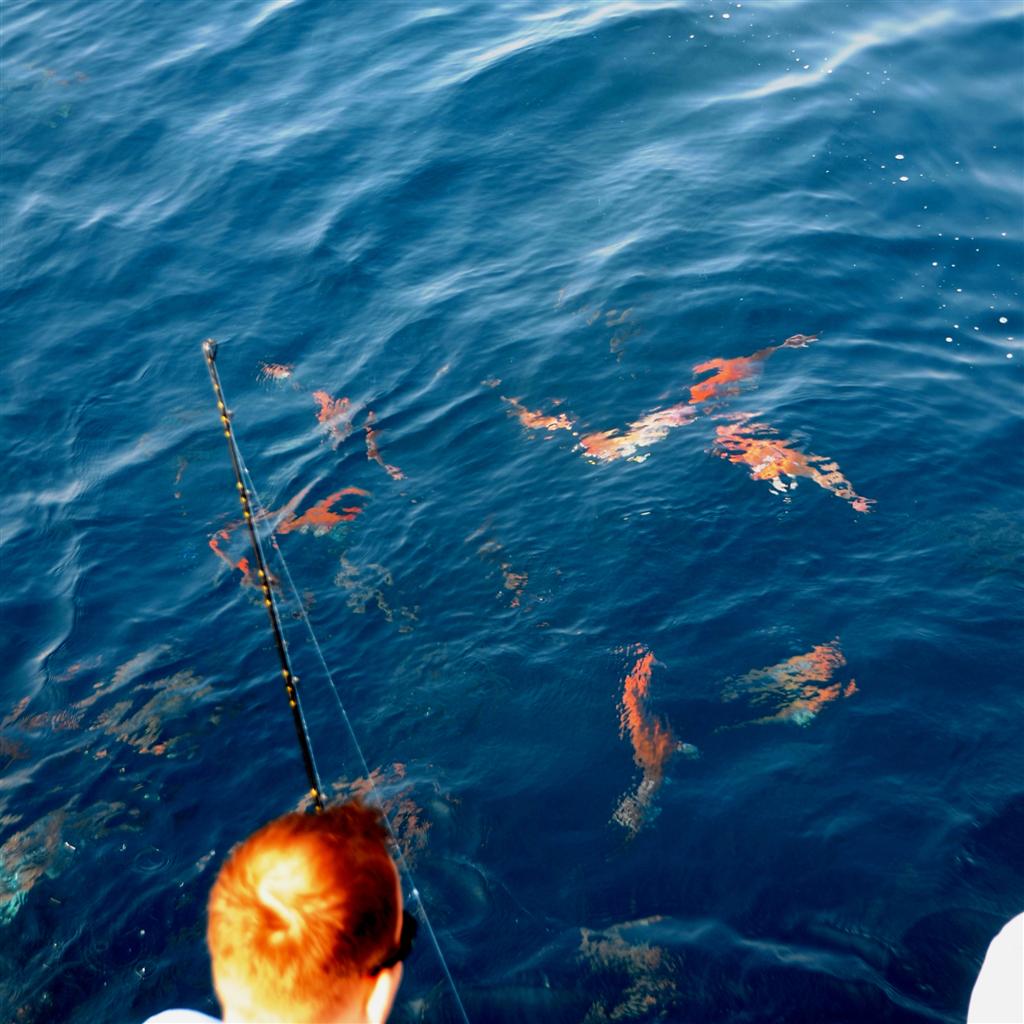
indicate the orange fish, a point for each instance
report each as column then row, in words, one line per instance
column 652, row 740
column 773, row 460
column 537, row 420
column 141, row 727
column 137, row 725
column 281, row 515
column 648, row 971
column 389, row 785
column 373, row 452
column 242, row 565
column 320, row 518
column 611, row 445
column 58, row 721
column 797, row 688
column 335, row 415
column 728, row 373
column 276, row 371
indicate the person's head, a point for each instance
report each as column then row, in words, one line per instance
column 306, row 922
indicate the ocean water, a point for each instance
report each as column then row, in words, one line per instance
column 686, row 660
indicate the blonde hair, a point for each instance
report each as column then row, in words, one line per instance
column 303, row 910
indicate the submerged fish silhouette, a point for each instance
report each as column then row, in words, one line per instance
column 320, row 518
column 603, row 446
column 535, row 420
column 729, row 373
column 797, row 688
column 652, row 740
column 335, row 416
column 611, row 445
column 757, row 446
column 373, row 452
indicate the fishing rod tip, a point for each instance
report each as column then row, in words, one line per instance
column 210, row 349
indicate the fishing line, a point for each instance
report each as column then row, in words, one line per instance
column 250, row 501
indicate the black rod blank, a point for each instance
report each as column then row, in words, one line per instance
column 290, row 679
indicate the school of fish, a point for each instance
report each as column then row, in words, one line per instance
column 740, row 439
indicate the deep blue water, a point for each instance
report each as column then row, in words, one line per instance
column 429, row 211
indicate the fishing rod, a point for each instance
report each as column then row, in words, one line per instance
column 290, row 679
column 250, row 500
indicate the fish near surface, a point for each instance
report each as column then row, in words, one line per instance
column 797, row 688
column 335, row 416
column 757, row 446
column 612, row 445
column 276, row 371
column 621, row 951
column 728, row 374
column 396, row 794
column 321, row 517
column 242, row 564
column 535, row 420
column 652, row 741
column 373, row 452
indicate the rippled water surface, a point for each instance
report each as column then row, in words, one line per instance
column 636, row 389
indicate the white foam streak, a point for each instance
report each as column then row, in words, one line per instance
column 883, row 33
column 268, row 10
column 553, row 25
column 606, row 251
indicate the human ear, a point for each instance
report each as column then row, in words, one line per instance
column 382, row 996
